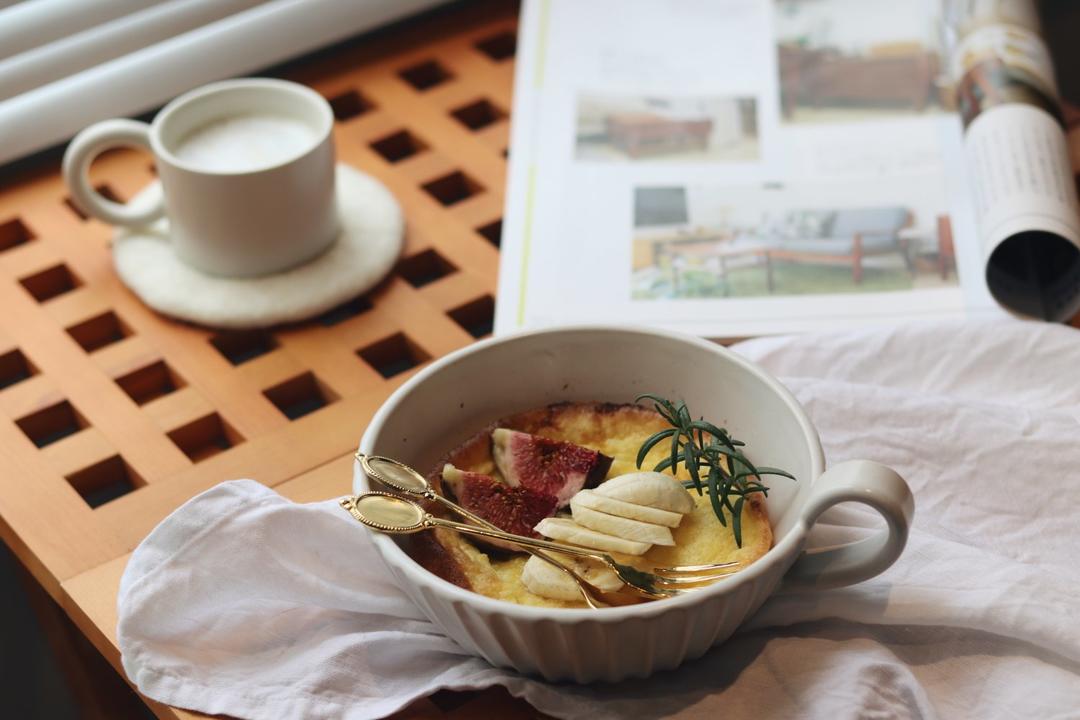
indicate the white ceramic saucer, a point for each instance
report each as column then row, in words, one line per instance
column 365, row 251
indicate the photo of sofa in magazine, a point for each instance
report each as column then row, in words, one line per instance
column 694, row 242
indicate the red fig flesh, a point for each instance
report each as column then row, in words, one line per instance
column 547, row 466
column 515, row 510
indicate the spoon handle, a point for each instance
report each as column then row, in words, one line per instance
column 451, row 505
column 528, row 542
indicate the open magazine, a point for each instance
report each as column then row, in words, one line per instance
column 741, row 167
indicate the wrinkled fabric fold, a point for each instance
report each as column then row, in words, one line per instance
column 246, row 604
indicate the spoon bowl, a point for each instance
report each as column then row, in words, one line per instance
column 395, row 475
column 386, row 512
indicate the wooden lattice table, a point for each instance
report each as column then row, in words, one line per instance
column 111, row 415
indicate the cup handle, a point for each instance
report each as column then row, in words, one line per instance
column 86, row 146
column 865, row 482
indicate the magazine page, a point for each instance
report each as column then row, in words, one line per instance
column 736, row 167
column 1025, row 194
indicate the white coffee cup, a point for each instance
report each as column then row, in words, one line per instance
column 246, row 169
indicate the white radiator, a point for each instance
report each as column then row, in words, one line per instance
column 65, row 64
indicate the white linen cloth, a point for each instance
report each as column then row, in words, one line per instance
column 244, row 603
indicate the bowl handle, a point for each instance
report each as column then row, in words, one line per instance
column 865, row 482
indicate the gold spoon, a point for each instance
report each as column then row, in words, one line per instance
column 391, row 513
column 403, row 478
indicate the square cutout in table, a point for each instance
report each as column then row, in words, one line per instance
column 240, row 346
column 205, row 437
column 476, row 317
column 48, row 425
column 500, row 46
column 492, row 232
column 14, row 233
column 425, row 75
column 344, row 311
column 350, row 104
column 150, row 382
column 99, row 331
column 424, row 268
column 300, row 396
column 104, row 190
column 105, row 481
column 398, row 146
column 51, row 282
column 393, row 355
column 452, row 188
column 14, row 368
column 478, row 115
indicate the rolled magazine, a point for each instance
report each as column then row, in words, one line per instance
column 1014, row 136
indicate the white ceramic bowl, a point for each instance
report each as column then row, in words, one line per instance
column 447, row 402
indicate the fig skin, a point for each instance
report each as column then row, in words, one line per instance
column 549, row 466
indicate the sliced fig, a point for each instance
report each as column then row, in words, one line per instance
column 548, row 466
column 515, row 510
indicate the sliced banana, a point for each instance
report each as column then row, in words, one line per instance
column 652, row 489
column 611, row 506
column 568, row 531
column 621, row 527
column 546, row 580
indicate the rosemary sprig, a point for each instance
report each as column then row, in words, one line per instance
column 711, row 456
